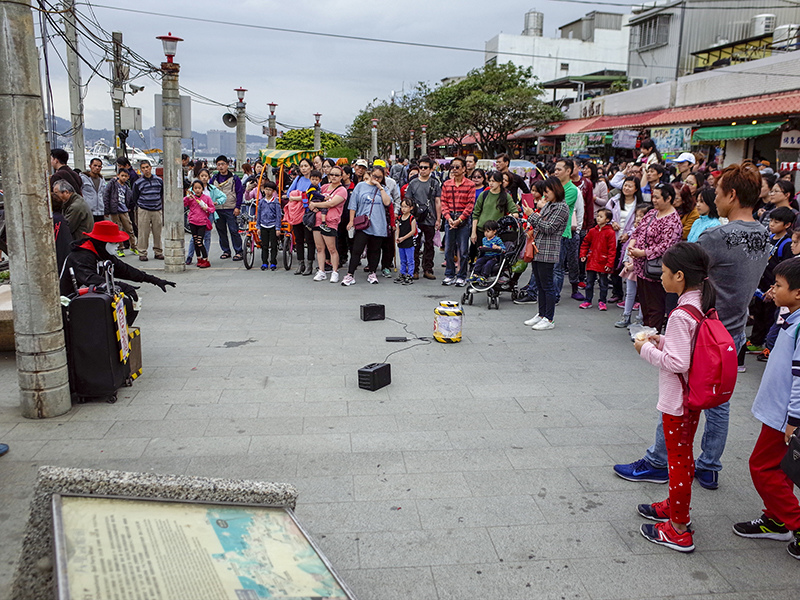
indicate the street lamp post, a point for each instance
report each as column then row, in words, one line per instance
column 273, row 130
column 374, row 147
column 241, row 129
column 317, row 142
column 411, row 146
column 173, row 172
column 423, row 141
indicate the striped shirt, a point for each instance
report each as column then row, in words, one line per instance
column 458, row 199
column 148, row 193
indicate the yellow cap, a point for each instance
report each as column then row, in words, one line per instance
column 379, row 163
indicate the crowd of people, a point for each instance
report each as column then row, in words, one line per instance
column 660, row 240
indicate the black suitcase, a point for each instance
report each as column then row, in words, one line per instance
column 96, row 365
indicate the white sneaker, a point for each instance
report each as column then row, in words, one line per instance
column 372, row 278
column 543, row 325
column 349, row 280
column 533, row 321
column 460, row 282
column 448, row 281
column 334, row 276
column 320, row 276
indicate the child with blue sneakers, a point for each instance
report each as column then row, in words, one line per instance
column 404, row 236
column 777, row 406
column 491, row 248
column 269, row 223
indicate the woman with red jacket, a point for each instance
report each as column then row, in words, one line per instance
column 600, row 248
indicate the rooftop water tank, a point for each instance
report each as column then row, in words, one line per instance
column 534, row 23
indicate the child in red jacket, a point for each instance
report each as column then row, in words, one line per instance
column 600, row 245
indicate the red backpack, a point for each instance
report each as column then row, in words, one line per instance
column 712, row 373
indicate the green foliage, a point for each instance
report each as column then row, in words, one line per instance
column 351, row 154
column 619, row 86
column 303, row 139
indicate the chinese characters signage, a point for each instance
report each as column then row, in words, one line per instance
column 790, row 139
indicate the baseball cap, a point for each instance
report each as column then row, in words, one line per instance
column 361, row 163
column 379, row 163
column 685, row 157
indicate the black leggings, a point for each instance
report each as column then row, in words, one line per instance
column 198, row 235
column 373, row 245
column 304, row 237
column 269, row 246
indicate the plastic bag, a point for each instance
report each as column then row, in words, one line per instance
column 519, row 267
column 641, row 332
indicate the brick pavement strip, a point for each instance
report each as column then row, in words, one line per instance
column 482, row 471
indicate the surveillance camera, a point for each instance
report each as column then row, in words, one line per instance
column 136, row 88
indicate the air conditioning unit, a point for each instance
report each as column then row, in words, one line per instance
column 762, row 24
column 637, row 82
column 785, row 37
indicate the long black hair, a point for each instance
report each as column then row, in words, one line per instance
column 708, row 196
column 502, row 198
column 694, row 262
column 554, row 184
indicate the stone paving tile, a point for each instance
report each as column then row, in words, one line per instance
column 455, row 461
column 559, row 457
column 99, row 412
column 188, row 412
column 355, row 463
column 391, row 407
column 543, row 541
column 198, row 446
column 441, row 422
column 79, row 450
column 356, row 517
column 240, row 426
column 406, row 440
column 171, row 428
column 410, row 485
column 391, row 583
column 275, row 467
column 484, row 511
column 170, row 397
column 59, row 431
column 267, row 444
column 349, row 424
column 541, row 482
column 496, row 438
column 423, row 548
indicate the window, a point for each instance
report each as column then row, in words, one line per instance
column 565, row 67
column 651, row 33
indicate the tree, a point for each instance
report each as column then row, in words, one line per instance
column 492, row 102
column 303, row 139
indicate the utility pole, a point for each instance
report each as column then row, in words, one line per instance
column 241, row 129
column 118, row 93
column 411, row 146
column 273, row 129
column 173, row 169
column 374, row 145
column 75, row 99
column 423, row 141
column 38, row 329
column 317, row 132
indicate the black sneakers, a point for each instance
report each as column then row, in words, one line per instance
column 769, row 529
column 794, row 546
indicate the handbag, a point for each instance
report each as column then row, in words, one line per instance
column 652, row 266
column 310, row 220
column 363, row 221
column 530, row 250
column 791, row 462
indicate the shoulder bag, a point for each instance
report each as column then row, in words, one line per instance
column 363, row 221
column 652, row 267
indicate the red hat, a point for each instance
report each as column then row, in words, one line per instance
column 106, row 231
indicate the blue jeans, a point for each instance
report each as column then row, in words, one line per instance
column 456, row 240
column 531, row 289
column 591, row 276
column 715, row 434
column 406, row 261
column 227, row 222
column 568, row 259
column 206, row 243
column 547, row 292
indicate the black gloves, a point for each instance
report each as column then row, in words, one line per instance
column 162, row 283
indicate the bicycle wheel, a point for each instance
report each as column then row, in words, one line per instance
column 287, row 251
column 249, row 248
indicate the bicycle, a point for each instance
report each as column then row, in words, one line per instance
column 248, row 226
column 287, row 244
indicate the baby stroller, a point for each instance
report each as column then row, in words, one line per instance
column 502, row 279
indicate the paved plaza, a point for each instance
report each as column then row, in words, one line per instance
column 483, row 471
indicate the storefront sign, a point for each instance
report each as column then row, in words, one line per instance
column 593, row 108
column 546, row 146
column 573, row 143
column 596, row 138
column 625, row 138
column 790, row 139
column 127, row 549
column 672, row 139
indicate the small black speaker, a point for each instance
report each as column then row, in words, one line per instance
column 373, row 312
column 374, row 376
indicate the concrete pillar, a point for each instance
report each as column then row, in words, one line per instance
column 174, row 255
column 374, row 145
column 423, row 141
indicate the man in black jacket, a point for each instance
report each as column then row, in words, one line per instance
column 87, row 253
column 58, row 160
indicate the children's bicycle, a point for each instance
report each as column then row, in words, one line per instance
column 287, row 244
column 248, row 226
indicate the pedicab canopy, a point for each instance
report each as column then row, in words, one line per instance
column 278, row 158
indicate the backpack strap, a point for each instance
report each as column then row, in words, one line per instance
column 698, row 316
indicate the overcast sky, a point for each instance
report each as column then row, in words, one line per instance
column 302, row 74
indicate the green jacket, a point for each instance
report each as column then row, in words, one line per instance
column 78, row 215
column 486, row 208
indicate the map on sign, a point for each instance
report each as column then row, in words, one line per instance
column 131, row 549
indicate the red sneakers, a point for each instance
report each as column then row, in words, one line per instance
column 203, row 263
column 664, row 534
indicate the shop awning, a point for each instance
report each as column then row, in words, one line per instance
column 734, row 132
column 576, row 126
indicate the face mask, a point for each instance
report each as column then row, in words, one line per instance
column 111, row 248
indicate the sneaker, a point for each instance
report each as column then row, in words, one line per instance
column 664, row 534
column 533, row 321
column 582, row 285
column 349, row 280
column 400, row 279
column 135, row 252
column 409, row 280
column 161, row 257
column 577, row 296
column 636, row 306
column 658, row 511
column 641, row 470
column 121, row 253
column 584, row 304
column 320, row 276
column 143, row 257
column 324, row 227
column 764, row 356
column 372, row 278
column 754, row 349
column 461, row 282
column 794, row 546
column 334, row 276
column 526, row 299
column 448, row 281
column 429, row 275
column 624, row 322
column 273, row 267
column 620, row 305
column 764, row 528
column 386, row 272
column 615, row 300
column 264, row 267
column 706, row 478
column 741, row 369
column 602, row 306
column 544, row 325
